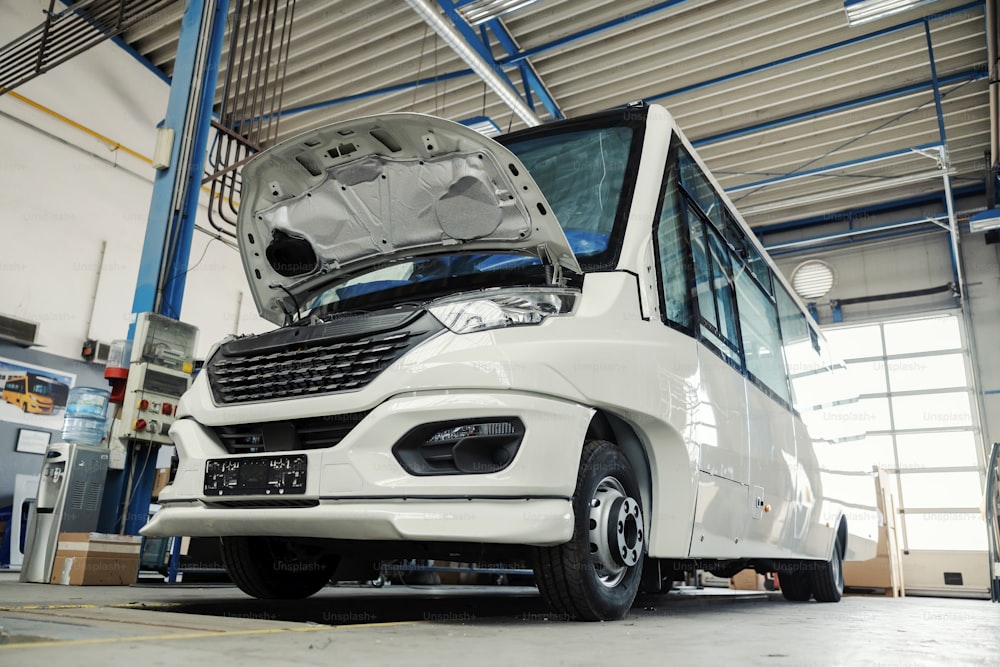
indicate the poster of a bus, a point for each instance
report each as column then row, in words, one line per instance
column 33, row 395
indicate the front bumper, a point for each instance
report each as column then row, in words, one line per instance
column 360, row 491
column 542, row 522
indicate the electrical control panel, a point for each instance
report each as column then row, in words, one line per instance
column 161, row 360
column 150, row 404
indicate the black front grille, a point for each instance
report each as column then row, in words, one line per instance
column 288, row 435
column 312, row 360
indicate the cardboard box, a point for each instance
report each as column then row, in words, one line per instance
column 747, row 580
column 161, row 480
column 96, row 559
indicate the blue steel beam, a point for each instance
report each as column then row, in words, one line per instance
column 609, row 25
column 509, row 60
column 967, row 75
column 875, row 209
column 532, row 81
column 167, row 227
column 936, row 83
column 590, row 32
column 377, row 92
column 173, row 290
column 956, row 267
column 812, row 52
column 831, row 167
column 470, row 37
column 812, row 242
column 167, row 245
column 837, row 244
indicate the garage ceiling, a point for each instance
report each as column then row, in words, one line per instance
column 766, row 89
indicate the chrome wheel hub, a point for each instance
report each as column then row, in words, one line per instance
column 617, row 534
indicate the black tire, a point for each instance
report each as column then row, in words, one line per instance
column 266, row 568
column 795, row 586
column 822, row 580
column 828, row 577
column 24, row 406
column 586, row 579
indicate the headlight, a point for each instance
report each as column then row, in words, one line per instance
column 506, row 308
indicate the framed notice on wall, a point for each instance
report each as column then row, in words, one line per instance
column 31, row 441
column 33, row 396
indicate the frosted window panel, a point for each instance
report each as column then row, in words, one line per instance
column 871, row 414
column 855, row 342
column 925, row 335
column 932, row 411
column 879, row 450
column 866, row 377
column 854, row 489
column 945, row 532
column 936, row 450
column 812, row 390
column 937, row 372
column 856, row 455
column 943, row 490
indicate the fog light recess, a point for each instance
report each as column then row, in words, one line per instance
column 460, row 447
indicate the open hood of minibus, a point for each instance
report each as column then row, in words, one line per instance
column 356, row 195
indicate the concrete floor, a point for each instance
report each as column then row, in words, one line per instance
column 216, row 625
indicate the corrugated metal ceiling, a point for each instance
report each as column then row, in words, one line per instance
column 764, row 88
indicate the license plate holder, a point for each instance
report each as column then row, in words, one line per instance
column 256, row 476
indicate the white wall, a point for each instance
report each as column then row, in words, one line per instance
column 63, row 193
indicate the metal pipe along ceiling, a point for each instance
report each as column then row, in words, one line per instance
column 479, row 65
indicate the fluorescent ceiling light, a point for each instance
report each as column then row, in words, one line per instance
column 985, row 220
column 483, row 125
column 481, row 11
column 863, row 11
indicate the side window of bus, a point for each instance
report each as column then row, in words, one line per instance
column 698, row 186
column 671, row 254
column 713, row 281
column 761, row 336
column 746, row 251
column 806, row 367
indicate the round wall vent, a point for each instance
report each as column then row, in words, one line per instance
column 812, row 279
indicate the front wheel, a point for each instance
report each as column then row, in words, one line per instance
column 596, row 575
column 270, row 569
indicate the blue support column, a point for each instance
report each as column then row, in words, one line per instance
column 170, row 228
column 175, row 197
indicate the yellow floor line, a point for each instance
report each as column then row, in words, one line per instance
column 198, row 635
column 123, row 605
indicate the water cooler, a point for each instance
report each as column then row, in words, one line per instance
column 71, row 484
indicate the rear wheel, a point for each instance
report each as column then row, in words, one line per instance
column 271, row 568
column 795, row 586
column 823, row 580
column 828, row 578
column 595, row 576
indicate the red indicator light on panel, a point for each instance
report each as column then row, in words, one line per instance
column 167, row 409
column 140, row 424
column 144, row 404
